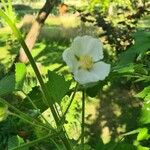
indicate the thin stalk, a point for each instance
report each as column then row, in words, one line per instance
column 72, row 98
column 83, row 119
column 35, row 107
column 56, row 109
column 33, row 64
column 23, row 115
column 55, row 144
column 26, row 120
column 32, row 143
column 38, row 75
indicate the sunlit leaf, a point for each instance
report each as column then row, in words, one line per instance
column 20, row 73
column 142, row 148
column 3, row 111
column 144, row 93
column 145, row 113
column 143, row 134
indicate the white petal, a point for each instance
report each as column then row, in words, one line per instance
column 85, row 77
column 87, row 45
column 101, row 70
column 71, row 61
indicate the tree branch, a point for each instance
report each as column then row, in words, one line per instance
column 36, row 28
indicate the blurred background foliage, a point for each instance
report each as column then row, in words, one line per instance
column 117, row 109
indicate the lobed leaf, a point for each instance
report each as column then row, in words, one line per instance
column 57, row 85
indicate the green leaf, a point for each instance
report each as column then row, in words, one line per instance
column 115, row 146
column 37, row 98
column 142, row 41
column 143, row 134
column 144, row 93
column 58, row 86
column 3, row 111
column 15, row 141
column 125, row 146
column 145, row 113
column 20, row 73
column 7, row 84
column 142, row 148
column 141, row 45
column 126, row 68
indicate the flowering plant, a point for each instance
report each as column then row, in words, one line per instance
column 84, row 60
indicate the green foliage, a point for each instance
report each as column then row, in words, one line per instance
column 115, row 146
column 140, row 47
column 72, row 122
column 15, row 141
column 145, row 113
column 58, row 86
column 103, row 5
column 144, row 94
column 13, row 82
column 7, row 84
column 20, row 74
column 37, row 98
column 134, row 64
column 9, row 9
column 142, row 148
column 143, row 134
column 3, row 111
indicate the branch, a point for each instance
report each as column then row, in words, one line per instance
column 34, row 32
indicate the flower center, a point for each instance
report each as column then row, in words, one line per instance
column 86, row 62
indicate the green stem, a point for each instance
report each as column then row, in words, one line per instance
column 72, row 98
column 33, row 64
column 32, row 143
column 23, row 115
column 55, row 144
column 38, row 75
column 35, row 107
column 26, row 120
column 83, row 119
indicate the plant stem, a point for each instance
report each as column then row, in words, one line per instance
column 55, row 144
column 35, row 107
column 26, row 120
column 83, row 119
column 72, row 98
column 33, row 64
column 38, row 75
column 23, row 115
column 33, row 142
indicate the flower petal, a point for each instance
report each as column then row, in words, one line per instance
column 87, row 45
column 71, row 61
column 84, row 76
column 99, row 71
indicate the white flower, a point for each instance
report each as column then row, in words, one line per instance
column 83, row 59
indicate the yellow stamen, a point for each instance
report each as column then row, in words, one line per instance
column 86, row 62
